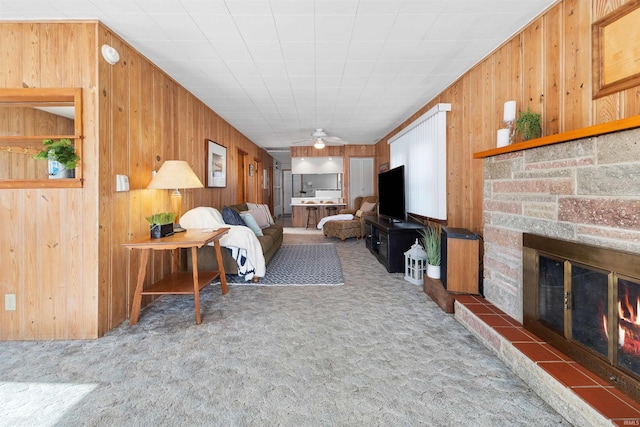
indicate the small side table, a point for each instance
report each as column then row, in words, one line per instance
column 178, row 282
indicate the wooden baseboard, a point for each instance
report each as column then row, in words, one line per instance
column 438, row 294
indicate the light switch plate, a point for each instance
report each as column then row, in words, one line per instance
column 10, row 302
column 122, row 183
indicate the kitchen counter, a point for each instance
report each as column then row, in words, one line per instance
column 320, row 203
column 299, row 210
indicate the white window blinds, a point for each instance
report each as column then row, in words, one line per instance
column 422, row 148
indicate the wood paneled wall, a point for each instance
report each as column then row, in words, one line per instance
column 61, row 249
column 48, row 244
column 546, row 67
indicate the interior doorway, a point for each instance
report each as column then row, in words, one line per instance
column 361, row 178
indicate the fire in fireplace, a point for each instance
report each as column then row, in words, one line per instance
column 585, row 301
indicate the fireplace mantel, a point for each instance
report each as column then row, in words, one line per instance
column 595, row 130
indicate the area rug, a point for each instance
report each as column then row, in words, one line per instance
column 300, row 265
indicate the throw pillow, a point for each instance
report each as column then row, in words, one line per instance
column 251, row 223
column 231, row 217
column 359, row 213
column 258, row 215
column 367, row 206
column 265, row 209
column 268, row 214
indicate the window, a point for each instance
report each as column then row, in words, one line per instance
column 27, row 117
column 422, row 148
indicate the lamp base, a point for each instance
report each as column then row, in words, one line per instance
column 178, row 229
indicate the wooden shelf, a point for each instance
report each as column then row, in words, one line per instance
column 24, row 140
column 180, row 283
column 595, row 130
column 42, row 183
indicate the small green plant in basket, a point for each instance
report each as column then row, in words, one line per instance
column 161, row 224
column 529, row 124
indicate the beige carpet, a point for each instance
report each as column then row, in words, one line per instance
column 303, row 231
column 374, row 352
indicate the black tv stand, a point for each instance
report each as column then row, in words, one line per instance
column 389, row 240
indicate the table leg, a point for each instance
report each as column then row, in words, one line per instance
column 196, row 287
column 223, row 276
column 175, row 255
column 137, row 295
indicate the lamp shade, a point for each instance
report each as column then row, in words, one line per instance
column 174, row 174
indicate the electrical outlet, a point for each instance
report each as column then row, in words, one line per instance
column 10, row 302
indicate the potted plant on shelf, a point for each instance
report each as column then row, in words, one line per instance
column 61, row 155
column 529, row 124
column 161, row 224
column 430, row 239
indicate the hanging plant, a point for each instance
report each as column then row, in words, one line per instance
column 529, row 124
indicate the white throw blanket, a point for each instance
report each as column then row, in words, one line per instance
column 340, row 217
column 238, row 237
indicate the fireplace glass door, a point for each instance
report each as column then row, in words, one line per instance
column 575, row 308
column 589, row 302
column 585, row 301
column 551, row 295
column 629, row 325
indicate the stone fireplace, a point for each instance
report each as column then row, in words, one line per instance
column 585, row 301
column 584, row 191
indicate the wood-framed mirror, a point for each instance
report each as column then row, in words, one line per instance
column 28, row 117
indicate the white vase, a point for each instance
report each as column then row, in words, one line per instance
column 433, row 271
column 58, row 170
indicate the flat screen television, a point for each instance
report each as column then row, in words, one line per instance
column 391, row 194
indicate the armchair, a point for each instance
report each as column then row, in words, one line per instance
column 343, row 229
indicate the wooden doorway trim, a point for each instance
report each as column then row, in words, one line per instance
column 241, row 176
column 258, row 195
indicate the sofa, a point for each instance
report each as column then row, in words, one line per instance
column 270, row 242
column 344, row 229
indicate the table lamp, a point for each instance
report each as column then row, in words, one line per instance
column 172, row 175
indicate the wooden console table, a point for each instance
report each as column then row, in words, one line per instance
column 178, row 282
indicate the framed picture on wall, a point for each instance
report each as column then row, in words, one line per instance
column 615, row 40
column 216, row 164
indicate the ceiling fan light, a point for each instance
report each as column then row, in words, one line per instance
column 319, row 144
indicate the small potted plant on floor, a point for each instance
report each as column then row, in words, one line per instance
column 161, row 224
column 529, row 124
column 62, row 157
column 430, row 239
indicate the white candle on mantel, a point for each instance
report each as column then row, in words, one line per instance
column 503, row 137
column 509, row 111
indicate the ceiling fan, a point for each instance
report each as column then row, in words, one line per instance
column 319, row 138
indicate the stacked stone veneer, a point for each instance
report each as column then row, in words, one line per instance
column 586, row 190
